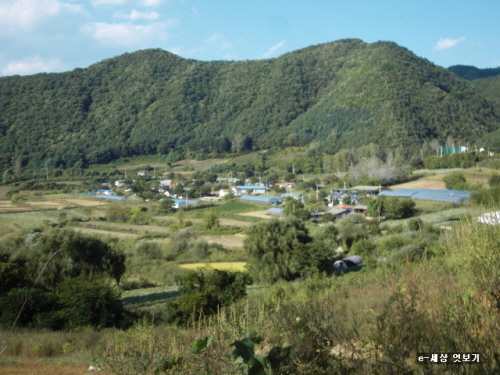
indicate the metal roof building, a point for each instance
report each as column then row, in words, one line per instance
column 184, row 202
column 267, row 199
column 291, row 195
column 452, row 196
column 253, row 187
column 275, row 211
column 110, row 198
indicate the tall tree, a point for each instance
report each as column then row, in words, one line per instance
column 274, row 249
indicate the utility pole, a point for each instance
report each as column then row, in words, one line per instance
column 46, row 169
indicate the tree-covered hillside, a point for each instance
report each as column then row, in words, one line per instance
column 473, row 73
column 337, row 95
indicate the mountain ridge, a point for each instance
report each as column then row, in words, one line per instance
column 334, row 95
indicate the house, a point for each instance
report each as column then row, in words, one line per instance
column 143, row 172
column 256, row 189
column 163, row 189
column 236, row 192
column 178, row 203
column 338, row 212
column 286, row 185
column 224, row 192
column 227, row 180
column 106, row 192
column 360, row 209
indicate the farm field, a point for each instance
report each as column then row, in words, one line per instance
column 141, row 229
column 104, row 232
column 85, row 202
column 9, row 206
column 229, row 241
column 259, row 214
column 4, row 190
column 32, row 219
column 225, row 266
column 433, row 179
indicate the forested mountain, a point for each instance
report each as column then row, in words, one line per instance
column 472, row 73
column 335, row 95
column 490, row 89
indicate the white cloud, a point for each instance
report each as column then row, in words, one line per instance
column 127, row 33
column 176, row 50
column 32, row 65
column 273, row 49
column 107, row 2
column 26, row 14
column 219, row 41
column 151, row 3
column 445, row 43
column 135, row 15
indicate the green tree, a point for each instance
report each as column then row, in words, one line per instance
column 274, row 248
column 391, row 208
column 494, row 179
column 79, row 255
column 166, row 206
column 211, row 220
column 85, row 302
column 202, row 292
column 353, row 228
column 398, row 208
column 296, row 208
column 455, row 181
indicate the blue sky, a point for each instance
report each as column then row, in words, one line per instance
column 60, row 35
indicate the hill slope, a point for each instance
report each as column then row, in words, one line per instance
column 341, row 94
column 472, row 73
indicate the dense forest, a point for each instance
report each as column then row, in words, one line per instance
column 472, row 73
column 331, row 96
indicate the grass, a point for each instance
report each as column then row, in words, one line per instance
column 36, row 218
column 439, row 217
column 148, row 295
column 222, row 209
column 224, row 266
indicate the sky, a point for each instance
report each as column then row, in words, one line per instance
column 61, row 35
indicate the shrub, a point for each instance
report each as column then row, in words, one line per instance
column 494, row 179
column 455, row 181
column 89, row 303
column 203, row 293
column 364, row 247
column 148, row 249
column 415, row 224
column 274, row 248
column 409, row 253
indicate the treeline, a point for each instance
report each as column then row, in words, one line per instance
column 341, row 95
